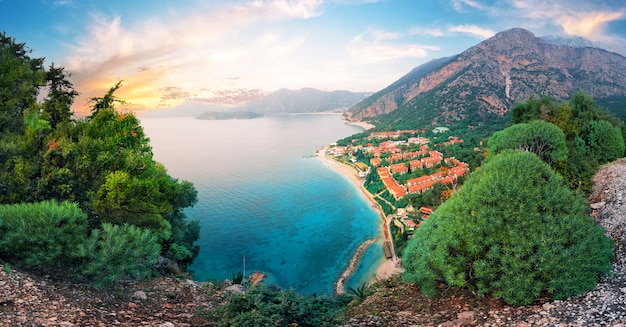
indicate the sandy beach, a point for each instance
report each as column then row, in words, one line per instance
column 362, row 124
column 389, row 267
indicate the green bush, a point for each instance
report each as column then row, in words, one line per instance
column 269, row 306
column 514, row 230
column 116, row 252
column 41, row 234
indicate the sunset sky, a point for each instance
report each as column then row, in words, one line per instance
column 228, row 52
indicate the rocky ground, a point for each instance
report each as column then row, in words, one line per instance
column 28, row 299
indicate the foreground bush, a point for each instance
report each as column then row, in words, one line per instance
column 117, row 252
column 514, row 230
column 43, row 234
column 269, row 306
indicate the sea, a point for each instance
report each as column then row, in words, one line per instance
column 266, row 203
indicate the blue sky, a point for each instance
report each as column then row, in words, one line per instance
column 228, row 52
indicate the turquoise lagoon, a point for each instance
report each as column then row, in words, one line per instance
column 263, row 195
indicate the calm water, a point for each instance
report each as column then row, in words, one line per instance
column 261, row 194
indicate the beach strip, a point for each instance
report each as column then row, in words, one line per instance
column 389, row 267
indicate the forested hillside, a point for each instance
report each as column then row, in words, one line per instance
column 82, row 194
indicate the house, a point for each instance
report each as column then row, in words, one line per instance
column 431, row 161
column 420, row 188
column 426, row 210
column 418, row 180
column 418, row 140
column 375, row 162
column 437, row 130
column 399, row 168
column 416, row 164
column 395, row 157
column 448, row 180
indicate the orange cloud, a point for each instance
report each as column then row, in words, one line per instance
column 590, row 24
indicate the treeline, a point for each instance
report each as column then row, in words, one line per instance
column 82, row 194
column 518, row 229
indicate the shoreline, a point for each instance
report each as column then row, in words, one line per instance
column 364, row 125
column 388, row 267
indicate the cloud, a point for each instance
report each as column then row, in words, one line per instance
column 370, row 54
column 578, row 18
column 424, row 31
column 376, row 45
column 188, row 49
column 481, row 33
column 460, row 5
column 590, row 24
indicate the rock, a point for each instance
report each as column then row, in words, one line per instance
column 547, row 306
column 235, row 289
column 597, row 205
column 466, row 315
column 141, row 295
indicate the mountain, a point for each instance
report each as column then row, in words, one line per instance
column 304, row 100
column 216, row 115
column 479, row 85
column 283, row 101
column 575, row 42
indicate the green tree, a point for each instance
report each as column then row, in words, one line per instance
column 544, row 139
column 603, row 141
column 61, row 95
column 514, row 231
column 20, row 80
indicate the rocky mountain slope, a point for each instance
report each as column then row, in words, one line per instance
column 28, row 299
column 490, row 77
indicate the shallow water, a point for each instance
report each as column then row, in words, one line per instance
column 263, row 195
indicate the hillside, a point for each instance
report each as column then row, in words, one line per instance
column 481, row 84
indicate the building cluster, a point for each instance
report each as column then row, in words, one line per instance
column 398, row 162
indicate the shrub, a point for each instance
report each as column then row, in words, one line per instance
column 41, row 234
column 117, row 252
column 270, row 306
column 514, row 230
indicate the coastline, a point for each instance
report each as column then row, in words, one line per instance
column 388, row 267
column 364, row 125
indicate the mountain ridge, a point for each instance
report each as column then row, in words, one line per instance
column 488, row 78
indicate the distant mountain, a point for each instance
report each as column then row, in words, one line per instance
column 575, row 42
column 481, row 84
column 283, row 101
column 215, row 115
column 305, row 100
column 185, row 109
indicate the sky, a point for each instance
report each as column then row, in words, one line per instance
column 223, row 52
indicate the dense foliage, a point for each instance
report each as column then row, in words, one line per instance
column 593, row 136
column 102, row 162
column 52, row 235
column 514, row 231
column 269, row 306
column 115, row 252
column 544, row 139
column 41, row 234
